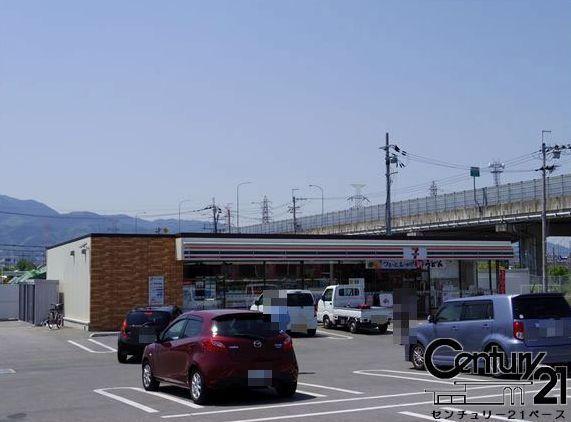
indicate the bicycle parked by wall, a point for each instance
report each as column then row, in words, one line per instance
column 55, row 316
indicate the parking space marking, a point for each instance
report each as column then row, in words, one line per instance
column 87, row 349
column 429, row 375
column 140, row 406
column 420, row 416
column 325, row 387
column 327, row 333
column 362, row 409
column 366, row 372
column 471, row 412
column 102, row 345
column 312, row 403
column 5, row 371
column 307, row 393
column 169, row 397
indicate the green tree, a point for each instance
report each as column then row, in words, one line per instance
column 25, row 265
column 559, row 271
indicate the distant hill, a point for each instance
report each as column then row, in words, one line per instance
column 32, row 223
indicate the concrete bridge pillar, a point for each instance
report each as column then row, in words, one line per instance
column 530, row 248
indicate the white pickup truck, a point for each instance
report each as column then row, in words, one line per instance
column 344, row 306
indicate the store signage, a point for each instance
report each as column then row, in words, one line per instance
column 156, row 291
column 414, row 253
column 406, row 264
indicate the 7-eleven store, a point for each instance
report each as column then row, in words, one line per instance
column 229, row 270
column 103, row 275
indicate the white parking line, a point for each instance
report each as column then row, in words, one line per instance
column 87, row 349
column 420, row 416
column 366, row 372
column 325, row 387
column 169, row 397
column 428, row 374
column 126, row 401
column 4, row 371
column 277, row 406
column 362, row 409
column 327, row 333
column 471, row 412
column 102, row 345
column 307, row 393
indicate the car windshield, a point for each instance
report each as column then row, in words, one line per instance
column 154, row 318
column 540, row 307
column 299, row 299
column 244, row 325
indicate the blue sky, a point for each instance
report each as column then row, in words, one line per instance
column 132, row 106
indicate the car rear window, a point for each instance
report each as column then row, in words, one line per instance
column 155, row 318
column 540, row 307
column 244, row 325
column 299, row 299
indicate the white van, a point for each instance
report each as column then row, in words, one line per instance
column 300, row 308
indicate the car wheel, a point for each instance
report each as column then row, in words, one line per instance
column 150, row 383
column 417, row 356
column 382, row 329
column 197, row 387
column 326, row 322
column 353, row 327
column 311, row 333
column 121, row 355
column 286, row 389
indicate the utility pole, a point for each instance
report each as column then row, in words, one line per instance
column 228, row 218
column 215, row 214
column 293, row 209
column 544, row 211
column 555, row 152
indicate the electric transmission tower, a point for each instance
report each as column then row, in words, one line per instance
column 433, row 189
column 265, row 207
column 496, row 168
column 358, row 199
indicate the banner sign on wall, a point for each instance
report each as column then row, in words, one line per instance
column 406, row 264
column 156, row 291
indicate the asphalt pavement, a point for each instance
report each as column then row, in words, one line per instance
column 67, row 376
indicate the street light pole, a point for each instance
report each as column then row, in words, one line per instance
column 179, row 204
column 238, row 204
column 322, row 200
column 544, row 212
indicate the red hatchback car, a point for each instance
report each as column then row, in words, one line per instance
column 210, row 350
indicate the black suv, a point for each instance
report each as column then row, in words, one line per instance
column 141, row 327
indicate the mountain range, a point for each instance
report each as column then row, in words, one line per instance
column 31, row 223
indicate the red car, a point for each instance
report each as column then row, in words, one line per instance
column 210, row 350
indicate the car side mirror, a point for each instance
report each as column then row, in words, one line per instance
column 323, row 298
column 257, row 303
column 431, row 319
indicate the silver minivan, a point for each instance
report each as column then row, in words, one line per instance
column 510, row 323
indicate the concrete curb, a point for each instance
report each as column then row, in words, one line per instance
column 104, row 334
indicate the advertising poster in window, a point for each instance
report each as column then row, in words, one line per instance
column 156, row 291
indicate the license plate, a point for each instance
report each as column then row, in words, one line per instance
column 147, row 338
column 259, row 377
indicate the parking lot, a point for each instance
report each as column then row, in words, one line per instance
column 67, row 375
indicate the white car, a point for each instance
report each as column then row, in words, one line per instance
column 300, row 308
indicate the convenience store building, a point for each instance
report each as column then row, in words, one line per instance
column 102, row 276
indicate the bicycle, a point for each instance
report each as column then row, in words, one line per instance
column 55, row 316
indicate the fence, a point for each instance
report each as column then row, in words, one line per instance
column 529, row 190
